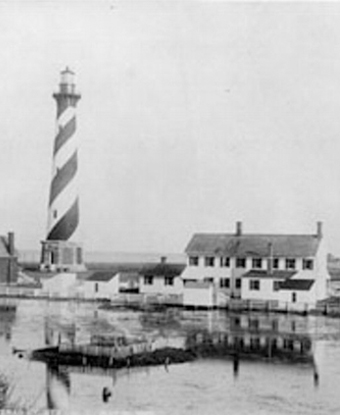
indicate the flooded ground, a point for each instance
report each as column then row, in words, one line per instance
column 206, row 385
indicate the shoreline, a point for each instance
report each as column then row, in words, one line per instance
column 243, row 307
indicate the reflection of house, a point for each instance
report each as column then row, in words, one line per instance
column 253, row 344
column 282, row 268
column 162, row 278
column 8, row 260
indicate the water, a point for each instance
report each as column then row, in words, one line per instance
column 206, row 385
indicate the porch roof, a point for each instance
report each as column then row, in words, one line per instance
column 297, row 285
column 101, row 276
column 275, row 274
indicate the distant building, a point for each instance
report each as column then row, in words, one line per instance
column 162, row 278
column 283, row 268
column 8, row 260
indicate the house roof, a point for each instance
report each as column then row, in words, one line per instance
column 254, row 245
column 128, row 277
column 296, row 285
column 275, row 274
column 101, row 276
column 163, row 269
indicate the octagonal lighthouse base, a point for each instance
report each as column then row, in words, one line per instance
column 61, row 256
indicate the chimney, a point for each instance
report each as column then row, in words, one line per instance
column 11, row 248
column 270, row 258
column 319, row 230
column 238, row 228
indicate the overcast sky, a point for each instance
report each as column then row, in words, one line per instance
column 194, row 114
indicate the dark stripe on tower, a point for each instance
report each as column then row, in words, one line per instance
column 64, row 134
column 64, row 176
column 64, row 229
column 65, row 100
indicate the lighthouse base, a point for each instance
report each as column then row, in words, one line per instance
column 61, row 256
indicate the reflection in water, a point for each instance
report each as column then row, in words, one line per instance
column 7, row 319
column 58, row 387
column 236, row 362
column 246, row 338
column 213, row 336
column 106, row 395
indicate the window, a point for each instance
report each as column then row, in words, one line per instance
column 209, row 279
column 193, row 261
column 307, row 264
column 254, row 285
column 225, row 283
column 169, row 281
column 54, row 257
column 276, row 285
column 148, row 280
column 257, row 263
column 79, row 256
column 294, row 297
column 240, row 262
column 275, row 263
column 238, row 283
column 96, row 287
column 290, row 263
column 225, row 262
column 209, row 261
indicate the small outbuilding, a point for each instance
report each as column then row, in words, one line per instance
column 101, row 285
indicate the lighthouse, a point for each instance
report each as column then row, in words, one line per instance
column 60, row 250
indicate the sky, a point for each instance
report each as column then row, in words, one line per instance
column 194, row 115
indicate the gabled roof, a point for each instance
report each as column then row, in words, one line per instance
column 254, row 245
column 296, row 285
column 275, row 274
column 101, row 276
column 163, row 269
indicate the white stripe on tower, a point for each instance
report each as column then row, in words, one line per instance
column 63, row 215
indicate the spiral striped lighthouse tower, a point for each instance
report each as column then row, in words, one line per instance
column 60, row 252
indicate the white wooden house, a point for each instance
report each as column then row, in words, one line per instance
column 283, row 268
column 163, row 279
